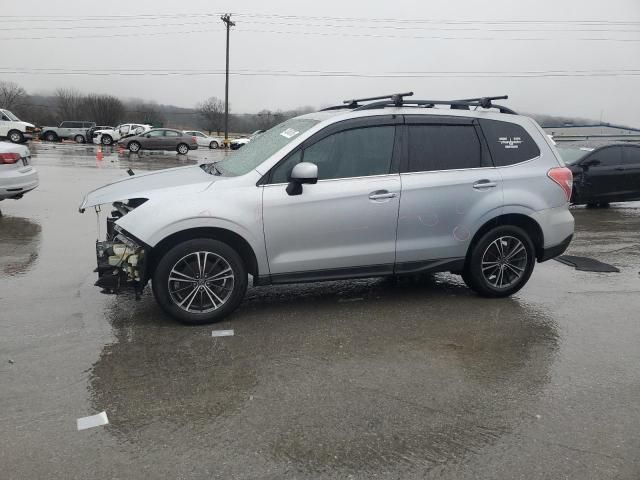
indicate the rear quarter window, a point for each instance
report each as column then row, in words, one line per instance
column 509, row 143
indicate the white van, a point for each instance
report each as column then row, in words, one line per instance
column 15, row 129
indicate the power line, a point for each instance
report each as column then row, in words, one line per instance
column 461, row 28
column 332, row 34
column 459, row 74
column 65, row 18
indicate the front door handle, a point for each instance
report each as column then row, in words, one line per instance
column 484, row 183
column 381, row 195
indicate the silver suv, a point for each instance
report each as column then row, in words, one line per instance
column 390, row 187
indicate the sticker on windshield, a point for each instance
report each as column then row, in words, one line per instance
column 510, row 142
column 289, row 133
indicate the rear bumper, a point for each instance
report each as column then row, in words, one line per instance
column 556, row 250
column 16, row 183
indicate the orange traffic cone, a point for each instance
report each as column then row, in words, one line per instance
column 99, row 154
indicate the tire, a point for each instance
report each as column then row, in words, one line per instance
column 206, row 302
column 501, row 276
column 182, row 148
column 214, row 145
column 79, row 139
column 51, row 137
column 16, row 136
column 106, row 140
column 134, row 147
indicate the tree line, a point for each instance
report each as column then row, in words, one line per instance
column 71, row 104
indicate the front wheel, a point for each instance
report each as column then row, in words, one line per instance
column 106, row 140
column 183, row 149
column 134, row 147
column 51, row 137
column 16, row 137
column 200, row 281
column 213, row 145
column 500, row 262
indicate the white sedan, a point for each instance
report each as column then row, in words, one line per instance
column 17, row 176
column 205, row 140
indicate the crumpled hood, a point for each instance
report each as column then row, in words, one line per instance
column 190, row 179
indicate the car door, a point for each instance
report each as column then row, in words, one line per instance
column 345, row 224
column 171, row 139
column 603, row 175
column 631, row 171
column 448, row 184
column 154, row 140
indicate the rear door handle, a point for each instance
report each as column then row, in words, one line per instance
column 484, row 183
column 381, row 195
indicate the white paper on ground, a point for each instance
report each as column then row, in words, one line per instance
column 93, row 421
column 222, row 333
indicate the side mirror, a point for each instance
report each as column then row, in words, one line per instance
column 303, row 172
column 594, row 162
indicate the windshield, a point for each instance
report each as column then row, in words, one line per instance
column 572, row 155
column 263, row 146
column 10, row 116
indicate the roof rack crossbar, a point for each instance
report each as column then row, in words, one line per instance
column 483, row 102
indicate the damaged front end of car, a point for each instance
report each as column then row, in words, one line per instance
column 121, row 257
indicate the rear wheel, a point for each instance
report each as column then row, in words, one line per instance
column 50, row 137
column 134, row 147
column 16, row 136
column 79, row 139
column 213, row 145
column 183, row 149
column 200, row 281
column 500, row 262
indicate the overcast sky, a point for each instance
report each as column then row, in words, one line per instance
column 557, row 57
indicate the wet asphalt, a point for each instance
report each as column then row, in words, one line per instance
column 414, row 378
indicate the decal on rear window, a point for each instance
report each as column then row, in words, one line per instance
column 509, row 143
column 289, row 133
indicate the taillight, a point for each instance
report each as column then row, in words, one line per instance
column 9, row 158
column 563, row 177
column 194, row 139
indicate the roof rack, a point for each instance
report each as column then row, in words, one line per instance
column 397, row 100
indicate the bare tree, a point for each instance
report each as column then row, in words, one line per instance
column 268, row 119
column 103, row 109
column 212, row 113
column 12, row 95
column 145, row 112
column 70, row 104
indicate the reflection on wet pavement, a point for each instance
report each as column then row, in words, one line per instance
column 390, row 383
column 19, row 245
column 416, row 378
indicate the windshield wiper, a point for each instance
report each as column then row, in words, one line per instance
column 211, row 169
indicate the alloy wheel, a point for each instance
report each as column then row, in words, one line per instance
column 504, row 262
column 201, row 282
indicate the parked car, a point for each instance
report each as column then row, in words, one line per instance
column 72, row 130
column 602, row 175
column 92, row 130
column 160, row 139
column 17, row 175
column 14, row 129
column 235, row 144
column 109, row 136
column 205, row 140
column 378, row 189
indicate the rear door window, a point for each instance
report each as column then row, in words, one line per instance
column 508, row 143
column 608, row 157
column 631, row 156
column 443, row 147
column 171, row 133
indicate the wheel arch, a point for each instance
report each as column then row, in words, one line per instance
column 521, row 220
column 234, row 240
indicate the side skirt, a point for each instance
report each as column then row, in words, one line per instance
column 406, row 268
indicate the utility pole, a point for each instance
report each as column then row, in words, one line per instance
column 226, row 19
